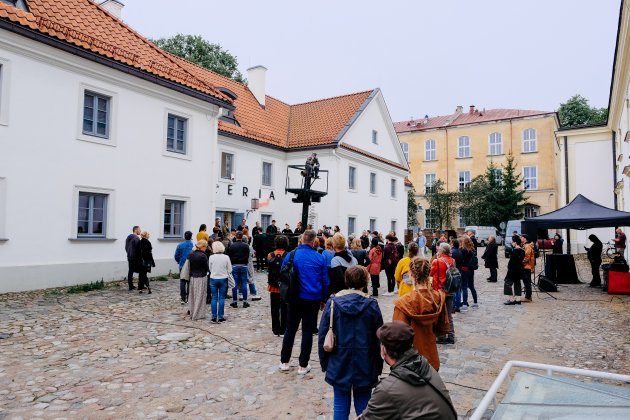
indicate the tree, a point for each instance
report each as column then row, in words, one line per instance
column 576, row 111
column 412, row 208
column 443, row 204
column 479, row 202
column 511, row 200
column 199, row 51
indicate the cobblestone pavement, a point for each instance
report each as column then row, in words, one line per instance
column 97, row 354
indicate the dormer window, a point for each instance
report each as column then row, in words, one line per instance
column 20, row 4
column 229, row 117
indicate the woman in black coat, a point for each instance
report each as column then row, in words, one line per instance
column 557, row 244
column 594, row 254
column 490, row 256
column 146, row 253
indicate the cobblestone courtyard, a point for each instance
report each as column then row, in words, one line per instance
column 97, row 355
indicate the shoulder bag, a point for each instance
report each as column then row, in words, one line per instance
column 330, row 339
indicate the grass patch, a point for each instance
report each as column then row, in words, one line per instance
column 175, row 276
column 87, row 287
column 160, row 278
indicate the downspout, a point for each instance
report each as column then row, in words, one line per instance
column 446, row 137
column 339, row 177
column 566, row 186
column 614, row 167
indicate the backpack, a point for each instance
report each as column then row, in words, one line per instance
column 274, row 266
column 453, row 280
column 393, row 259
column 289, row 281
column 473, row 262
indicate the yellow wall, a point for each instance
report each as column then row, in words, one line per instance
column 448, row 165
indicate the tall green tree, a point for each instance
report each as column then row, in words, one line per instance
column 204, row 53
column 442, row 203
column 511, row 200
column 576, row 111
column 412, row 208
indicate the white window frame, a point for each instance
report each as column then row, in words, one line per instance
column 354, row 225
column 495, row 148
column 534, row 178
column 393, row 225
column 352, row 178
column 373, row 177
column 405, row 149
column 112, row 118
column 262, row 220
column 393, row 188
column 188, row 146
column 182, row 216
column 461, row 185
column 232, row 177
column 528, row 140
column 185, row 216
column 373, row 224
column 463, row 150
column 109, row 213
column 428, row 216
column 532, row 209
column 430, row 154
column 5, row 75
column 498, row 179
column 262, row 173
column 426, row 181
column 3, row 210
column 374, row 137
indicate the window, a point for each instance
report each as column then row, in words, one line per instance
column 393, row 188
column 463, row 147
column 352, row 221
column 495, row 144
column 531, row 210
column 530, row 178
column 227, row 166
column 176, row 134
column 529, row 140
column 463, row 218
column 20, row 4
column 173, row 218
column 96, row 114
column 265, row 221
column 405, row 149
column 374, row 136
column 266, row 174
column 372, row 183
column 393, row 226
column 464, row 180
column 372, row 225
column 429, row 150
column 352, row 175
column 430, row 219
column 92, row 215
column 429, row 183
column 497, row 174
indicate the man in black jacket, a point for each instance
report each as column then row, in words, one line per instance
column 272, row 229
column 239, row 257
column 134, row 259
column 490, row 256
column 514, row 273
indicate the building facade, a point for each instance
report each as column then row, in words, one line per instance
column 100, row 131
column 457, row 148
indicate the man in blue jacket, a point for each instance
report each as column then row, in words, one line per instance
column 311, row 269
column 181, row 255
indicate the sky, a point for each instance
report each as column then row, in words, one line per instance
column 426, row 56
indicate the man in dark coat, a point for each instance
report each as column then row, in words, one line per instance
column 594, row 254
column 272, row 229
column 490, row 256
column 514, row 273
column 413, row 389
column 134, row 258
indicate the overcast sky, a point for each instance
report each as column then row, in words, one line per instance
column 426, row 56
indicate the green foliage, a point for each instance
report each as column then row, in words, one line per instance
column 160, row 278
column 442, row 203
column 87, row 287
column 576, row 111
column 199, row 51
column 412, row 208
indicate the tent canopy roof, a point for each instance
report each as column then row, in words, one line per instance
column 581, row 213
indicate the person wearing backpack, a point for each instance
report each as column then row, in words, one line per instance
column 390, row 260
column 274, row 264
column 445, row 276
column 470, row 263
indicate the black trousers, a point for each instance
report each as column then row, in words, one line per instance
column 507, row 287
column 143, row 279
column 527, row 281
column 376, row 283
column 493, row 275
column 278, row 314
column 597, row 280
column 130, row 274
column 304, row 311
column 391, row 281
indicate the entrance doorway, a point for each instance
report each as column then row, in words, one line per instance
column 229, row 218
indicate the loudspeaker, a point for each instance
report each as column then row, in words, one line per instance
column 546, row 285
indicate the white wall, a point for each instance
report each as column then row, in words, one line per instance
column 45, row 159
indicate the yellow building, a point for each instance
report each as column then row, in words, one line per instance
column 458, row 147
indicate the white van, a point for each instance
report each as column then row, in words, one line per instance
column 483, row 233
column 512, row 226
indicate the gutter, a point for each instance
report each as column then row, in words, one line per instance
column 614, row 166
column 566, row 187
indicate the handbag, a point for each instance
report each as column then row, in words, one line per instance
column 330, row 339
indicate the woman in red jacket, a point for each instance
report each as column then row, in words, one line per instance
column 439, row 266
column 374, row 268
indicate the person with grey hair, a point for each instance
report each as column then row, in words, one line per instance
column 439, row 266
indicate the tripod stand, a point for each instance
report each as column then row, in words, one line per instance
column 536, row 282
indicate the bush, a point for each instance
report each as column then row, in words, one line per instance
column 87, row 287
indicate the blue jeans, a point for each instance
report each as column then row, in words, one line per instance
column 239, row 272
column 252, row 288
column 341, row 403
column 468, row 282
column 219, row 288
column 457, row 298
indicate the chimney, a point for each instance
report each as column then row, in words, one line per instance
column 471, row 110
column 459, row 109
column 256, row 82
column 114, row 7
column 426, row 118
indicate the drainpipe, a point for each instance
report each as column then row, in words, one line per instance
column 339, row 178
column 614, row 167
column 566, row 186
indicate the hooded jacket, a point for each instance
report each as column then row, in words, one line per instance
column 529, row 261
column 424, row 311
column 376, row 256
column 337, row 271
column 413, row 390
column 355, row 363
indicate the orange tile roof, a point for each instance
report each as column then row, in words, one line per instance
column 87, row 25
column 464, row 118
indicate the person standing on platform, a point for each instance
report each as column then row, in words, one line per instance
column 272, row 229
column 557, row 244
column 132, row 248
column 299, row 229
column 620, row 241
column 594, row 254
column 514, row 273
column 529, row 266
column 182, row 252
column 257, row 230
column 491, row 258
column 287, row 230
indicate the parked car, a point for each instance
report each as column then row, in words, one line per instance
column 512, row 226
column 483, row 233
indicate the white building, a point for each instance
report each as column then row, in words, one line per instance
column 100, row 131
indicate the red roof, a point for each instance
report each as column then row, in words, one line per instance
column 463, row 118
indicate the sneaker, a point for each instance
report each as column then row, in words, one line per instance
column 450, row 340
column 464, row 308
column 214, row 320
column 245, row 304
column 442, row 340
column 304, row 370
column 512, row 302
column 221, row 320
column 526, row 300
column 183, row 302
column 284, row 367
column 475, row 305
column 456, row 310
column 256, row 297
column 388, row 294
column 234, row 305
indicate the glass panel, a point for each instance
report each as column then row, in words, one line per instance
column 88, row 100
column 180, row 145
column 180, row 134
column 82, row 228
column 101, row 116
column 88, row 126
column 99, row 201
column 83, row 214
column 98, row 215
column 170, row 133
column 101, row 129
column 102, row 104
column 84, row 200
column 171, row 122
column 170, row 143
column 97, row 227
